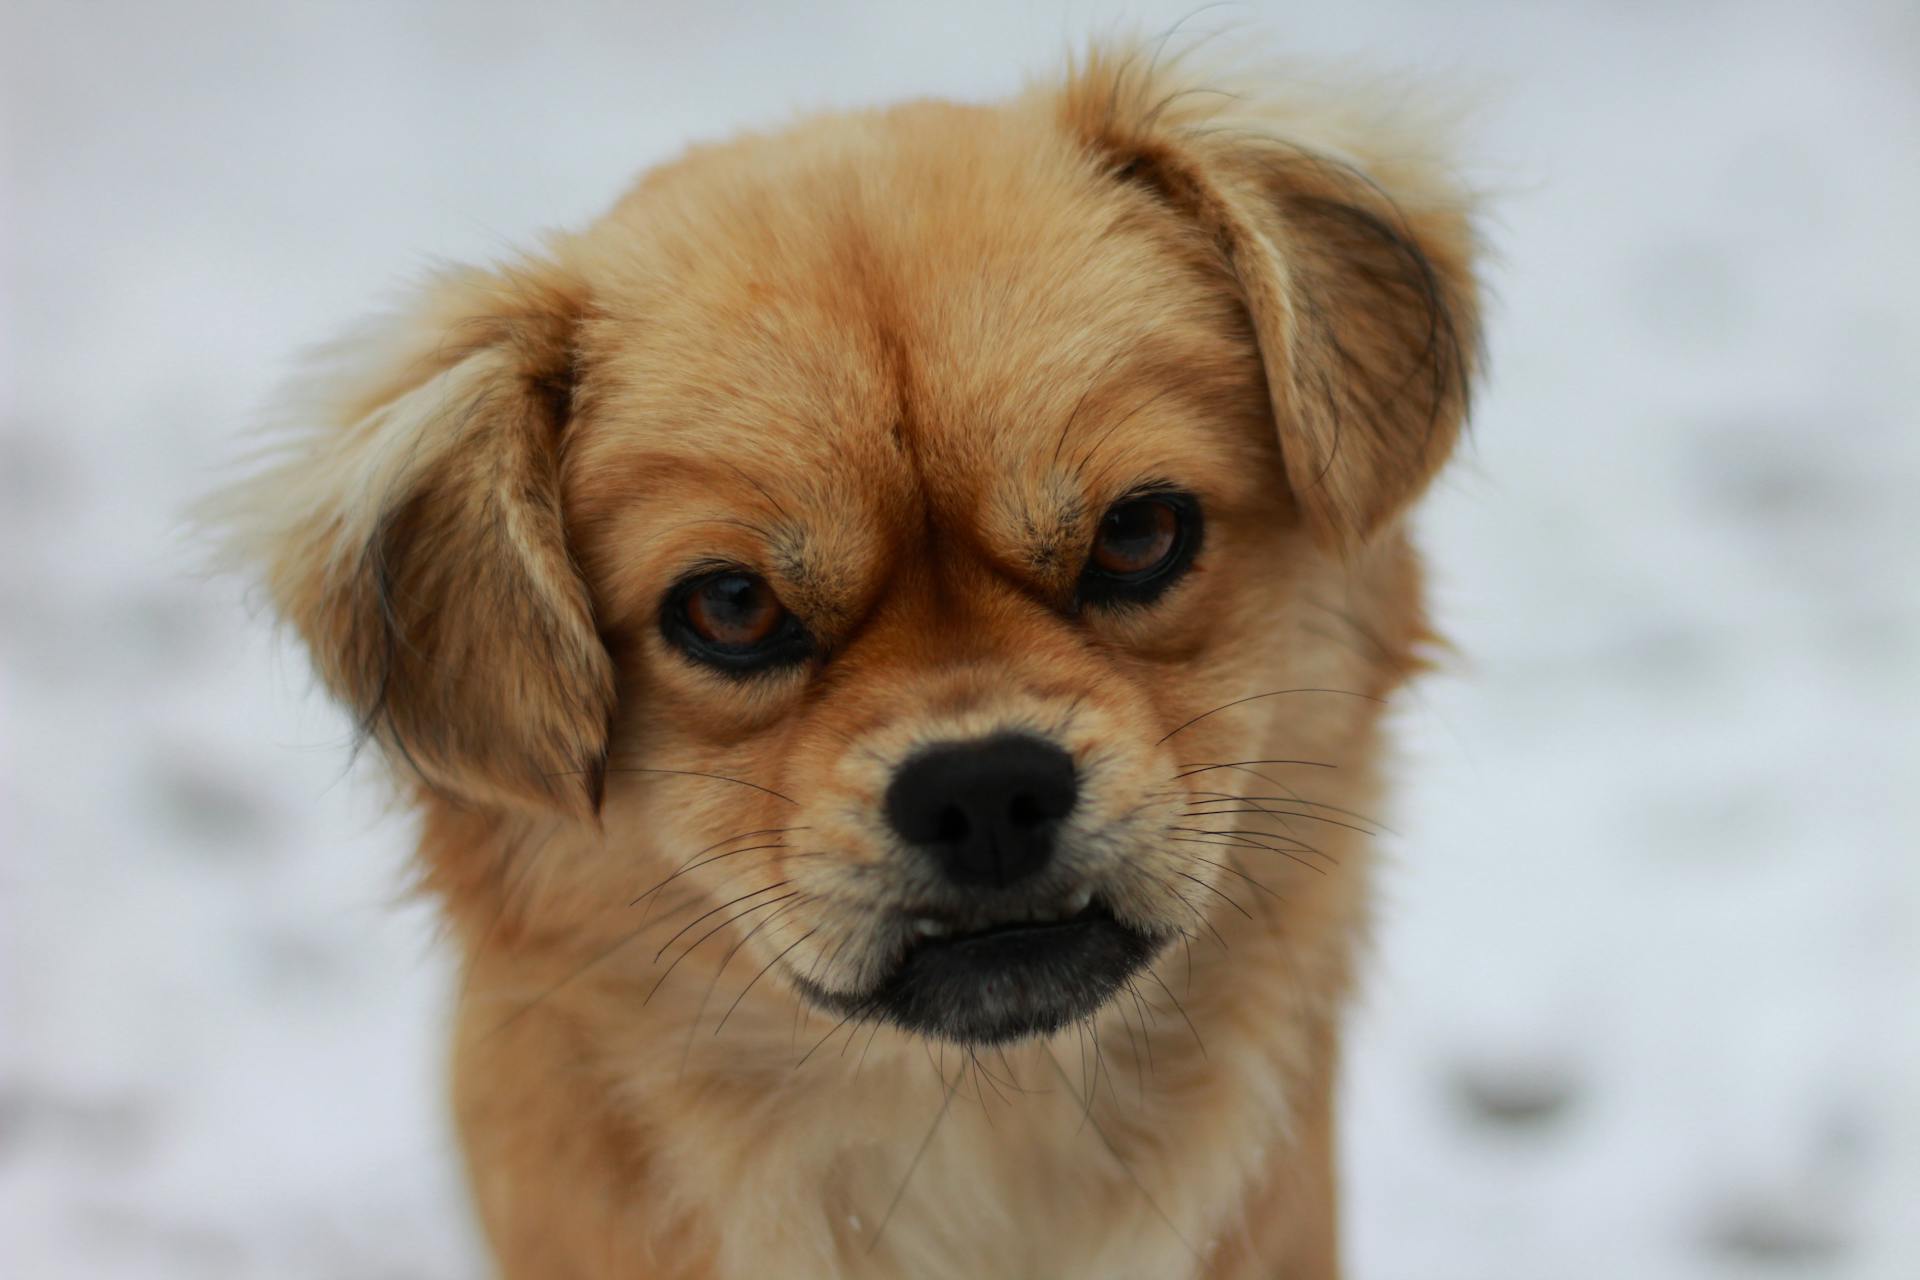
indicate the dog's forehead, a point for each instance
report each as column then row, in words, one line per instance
column 938, row 306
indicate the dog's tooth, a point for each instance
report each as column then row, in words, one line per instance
column 928, row 927
column 1079, row 901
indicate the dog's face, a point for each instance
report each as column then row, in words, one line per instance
column 860, row 527
column 932, row 518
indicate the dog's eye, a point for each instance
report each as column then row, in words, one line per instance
column 1143, row 543
column 734, row 610
column 1136, row 537
column 733, row 620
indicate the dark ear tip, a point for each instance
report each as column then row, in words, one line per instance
column 596, row 783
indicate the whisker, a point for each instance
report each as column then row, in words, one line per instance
column 845, row 1019
column 718, row 857
column 763, row 490
column 913, row 1166
column 1275, row 813
column 1187, row 771
column 1270, row 841
column 1182, row 1009
column 1201, row 916
column 1080, row 1051
column 848, row 1042
column 530, row 1005
column 1146, row 1033
column 763, row 973
column 813, row 969
column 1294, row 797
column 1013, row 1077
column 1080, row 404
column 698, row 942
column 1133, row 1049
column 693, row 1026
column 761, row 906
column 1009, row 1082
column 722, row 907
column 1246, row 844
column 1265, row 839
column 1132, row 1177
column 980, row 1073
column 692, row 773
column 1230, row 899
column 871, row 1037
column 1243, row 875
column 1290, row 797
column 1099, row 1065
column 1288, row 836
column 1080, row 467
column 603, row 955
column 1271, row 693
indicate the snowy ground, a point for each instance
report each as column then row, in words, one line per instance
column 1648, row 998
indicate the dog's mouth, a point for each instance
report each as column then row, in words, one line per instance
column 986, row 981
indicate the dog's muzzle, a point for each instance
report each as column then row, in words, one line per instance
column 1008, row 950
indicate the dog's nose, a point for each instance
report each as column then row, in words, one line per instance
column 986, row 811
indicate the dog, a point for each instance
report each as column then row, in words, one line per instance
column 886, row 633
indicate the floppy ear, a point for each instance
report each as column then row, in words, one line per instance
column 1351, row 250
column 412, row 533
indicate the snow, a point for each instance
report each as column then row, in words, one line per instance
column 1647, row 993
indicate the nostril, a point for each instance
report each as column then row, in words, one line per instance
column 952, row 826
column 1025, row 812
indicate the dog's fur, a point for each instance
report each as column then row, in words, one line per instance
column 898, row 361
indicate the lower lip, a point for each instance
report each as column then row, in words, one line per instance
column 1013, row 981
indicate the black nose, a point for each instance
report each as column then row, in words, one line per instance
column 985, row 811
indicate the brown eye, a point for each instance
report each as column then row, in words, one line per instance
column 1143, row 545
column 733, row 611
column 1136, row 537
column 732, row 621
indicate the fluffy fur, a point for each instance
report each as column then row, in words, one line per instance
column 898, row 361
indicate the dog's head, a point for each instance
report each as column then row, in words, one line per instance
column 858, row 528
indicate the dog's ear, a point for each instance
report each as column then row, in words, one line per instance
column 1350, row 248
column 412, row 533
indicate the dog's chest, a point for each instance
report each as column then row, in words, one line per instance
column 1039, row 1202
column 1022, row 1182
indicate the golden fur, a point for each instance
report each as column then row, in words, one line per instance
column 898, row 361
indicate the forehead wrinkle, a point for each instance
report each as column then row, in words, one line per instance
column 1143, row 425
column 1040, row 396
column 1040, row 531
column 820, row 532
column 1155, row 446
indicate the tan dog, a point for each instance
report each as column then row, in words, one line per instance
column 887, row 631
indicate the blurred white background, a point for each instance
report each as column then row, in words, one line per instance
column 1647, row 995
